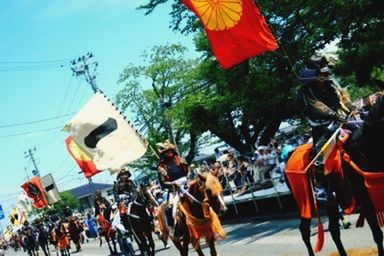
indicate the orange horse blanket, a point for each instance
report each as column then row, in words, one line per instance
column 208, row 227
column 298, row 180
column 374, row 182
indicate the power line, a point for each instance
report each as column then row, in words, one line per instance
column 27, row 133
column 36, row 121
column 31, row 68
column 48, row 136
column 33, row 62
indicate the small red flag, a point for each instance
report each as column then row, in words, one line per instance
column 35, row 191
column 236, row 29
column 82, row 159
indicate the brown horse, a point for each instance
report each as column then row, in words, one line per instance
column 196, row 215
column 356, row 154
column 106, row 231
column 74, row 233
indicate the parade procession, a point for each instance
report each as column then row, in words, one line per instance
column 192, row 127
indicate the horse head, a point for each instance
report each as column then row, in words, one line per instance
column 363, row 143
column 145, row 196
column 211, row 188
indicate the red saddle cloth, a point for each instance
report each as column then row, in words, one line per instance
column 374, row 182
column 297, row 178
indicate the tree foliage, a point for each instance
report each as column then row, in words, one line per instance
column 246, row 104
column 169, row 76
column 67, row 199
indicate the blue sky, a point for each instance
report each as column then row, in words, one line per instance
column 46, row 30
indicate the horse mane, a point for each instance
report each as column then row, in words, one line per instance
column 213, row 184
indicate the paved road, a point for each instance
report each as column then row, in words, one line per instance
column 278, row 237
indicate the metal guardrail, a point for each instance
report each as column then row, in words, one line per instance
column 252, row 188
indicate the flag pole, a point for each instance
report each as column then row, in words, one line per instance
column 154, row 151
column 322, row 149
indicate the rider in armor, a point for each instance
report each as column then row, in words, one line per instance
column 173, row 171
column 102, row 206
column 325, row 105
column 124, row 187
column 172, row 168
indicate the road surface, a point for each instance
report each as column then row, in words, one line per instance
column 278, row 237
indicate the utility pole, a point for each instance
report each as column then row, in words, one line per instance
column 29, row 154
column 86, row 67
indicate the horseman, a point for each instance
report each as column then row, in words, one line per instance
column 171, row 166
column 325, row 105
column 124, row 187
column 102, row 206
column 173, row 171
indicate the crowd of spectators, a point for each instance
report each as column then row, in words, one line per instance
column 238, row 172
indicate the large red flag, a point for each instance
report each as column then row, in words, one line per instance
column 82, row 159
column 35, row 191
column 236, row 29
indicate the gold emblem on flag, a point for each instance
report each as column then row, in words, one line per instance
column 219, row 14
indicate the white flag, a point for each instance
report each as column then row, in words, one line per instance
column 105, row 135
column 50, row 188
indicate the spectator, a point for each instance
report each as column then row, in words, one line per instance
column 233, row 165
column 217, row 170
column 193, row 172
column 92, row 227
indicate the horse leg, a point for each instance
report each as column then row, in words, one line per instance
column 114, row 245
column 144, row 248
column 178, row 244
column 211, row 244
column 109, row 246
column 44, row 248
column 151, row 244
column 196, row 244
column 371, row 218
column 334, row 228
column 305, row 230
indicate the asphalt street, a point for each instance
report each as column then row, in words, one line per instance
column 279, row 237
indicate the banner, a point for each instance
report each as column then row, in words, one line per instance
column 2, row 216
column 35, row 191
column 50, row 188
column 236, row 29
column 82, row 159
column 102, row 133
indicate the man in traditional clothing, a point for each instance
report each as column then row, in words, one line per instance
column 173, row 171
column 102, row 206
column 325, row 106
column 124, row 187
column 171, row 166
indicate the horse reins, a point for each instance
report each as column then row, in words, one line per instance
column 184, row 191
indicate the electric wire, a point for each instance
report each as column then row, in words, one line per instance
column 36, row 121
column 30, row 132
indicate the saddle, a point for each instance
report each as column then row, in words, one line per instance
column 301, row 190
column 300, row 184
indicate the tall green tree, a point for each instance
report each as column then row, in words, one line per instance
column 67, row 199
column 247, row 103
column 151, row 91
